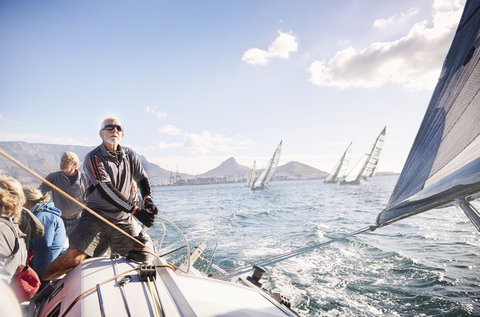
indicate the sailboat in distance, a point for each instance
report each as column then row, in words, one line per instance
column 269, row 170
column 251, row 178
column 367, row 165
column 372, row 165
column 341, row 168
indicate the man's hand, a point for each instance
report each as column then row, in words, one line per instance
column 146, row 217
column 149, row 205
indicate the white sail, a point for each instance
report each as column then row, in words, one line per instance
column 269, row 170
column 357, row 171
column 251, row 178
column 341, row 167
column 371, row 167
column 373, row 150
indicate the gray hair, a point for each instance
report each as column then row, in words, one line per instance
column 106, row 119
column 72, row 157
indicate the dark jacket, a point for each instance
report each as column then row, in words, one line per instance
column 31, row 226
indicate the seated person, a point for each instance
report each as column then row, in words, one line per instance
column 13, row 252
column 49, row 247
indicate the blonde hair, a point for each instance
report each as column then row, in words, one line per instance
column 12, row 198
column 35, row 195
column 72, row 157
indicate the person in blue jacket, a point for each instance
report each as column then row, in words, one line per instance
column 49, row 247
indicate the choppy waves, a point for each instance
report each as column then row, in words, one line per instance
column 427, row 265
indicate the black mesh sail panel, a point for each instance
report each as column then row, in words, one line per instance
column 444, row 162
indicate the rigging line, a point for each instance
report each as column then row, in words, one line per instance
column 161, row 256
column 306, row 249
column 94, row 288
column 6, row 155
column 158, row 295
column 281, row 257
column 122, row 288
column 154, row 301
column 177, row 268
column 106, row 281
column 371, row 228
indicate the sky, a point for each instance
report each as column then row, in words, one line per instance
column 197, row 82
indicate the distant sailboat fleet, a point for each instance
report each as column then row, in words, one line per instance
column 366, row 167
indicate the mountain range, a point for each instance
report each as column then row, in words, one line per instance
column 45, row 158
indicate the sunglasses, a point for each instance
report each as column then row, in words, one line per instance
column 113, row 126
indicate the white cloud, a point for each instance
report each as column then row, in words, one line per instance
column 193, row 165
column 205, row 142
column 159, row 114
column 170, row 129
column 382, row 23
column 281, row 47
column 165, row 146
column 35, row 138
column 413, row 61
column 11, row 121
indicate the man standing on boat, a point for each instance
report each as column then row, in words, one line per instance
column 111, row 169
column 73, row 182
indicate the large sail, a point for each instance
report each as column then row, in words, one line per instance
column 444, row 161
column 341, row 167
column 354, row 176
column 268, row 172
column 371, row 167
column 251, row 178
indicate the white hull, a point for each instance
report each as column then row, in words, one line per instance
column 173, row 293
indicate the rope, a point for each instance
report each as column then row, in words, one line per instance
column 179, row 269
column 240, row 269
column 104, row 282
column 67, row 195
column 154, row 301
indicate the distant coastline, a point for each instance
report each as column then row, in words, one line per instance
column 45, row 159
column 243, row 181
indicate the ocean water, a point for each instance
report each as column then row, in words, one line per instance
column 426, row 265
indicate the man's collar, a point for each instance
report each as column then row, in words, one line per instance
column 77, row 173
column 106, row 152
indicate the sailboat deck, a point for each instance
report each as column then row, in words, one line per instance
column 173, row 294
